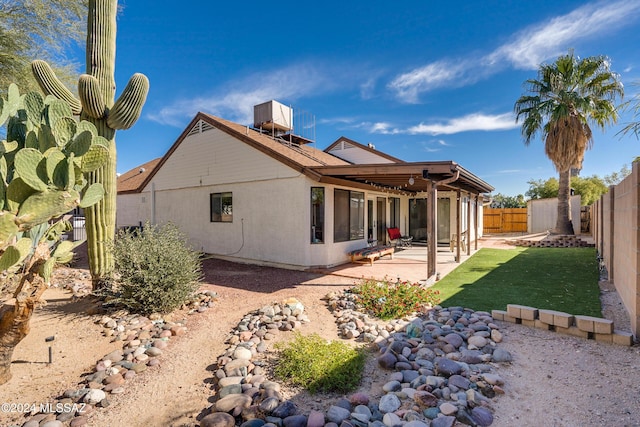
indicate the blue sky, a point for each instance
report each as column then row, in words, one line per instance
column 421, row 80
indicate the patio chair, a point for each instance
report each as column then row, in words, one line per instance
column 398, row 239
column 454, row 241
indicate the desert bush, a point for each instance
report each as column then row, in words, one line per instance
column 318, row 365
column 393, row 300
column 155, row 269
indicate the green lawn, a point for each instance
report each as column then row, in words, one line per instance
column 564, row 279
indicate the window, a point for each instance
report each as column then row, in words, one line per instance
column 348, row 215
column 394, row 221
column 317, row 214
column 222, row 207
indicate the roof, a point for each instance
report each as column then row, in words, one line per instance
column 133, row 181
column 292, row 154
column 363, row 147
column 324, row 167
column 299, row 157
column 414, row 177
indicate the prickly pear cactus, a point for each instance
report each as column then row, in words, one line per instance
column 43, row 163
column 96, row 104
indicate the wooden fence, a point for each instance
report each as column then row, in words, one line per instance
column 504, row 220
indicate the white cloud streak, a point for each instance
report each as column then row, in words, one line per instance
column 528, row 50
column 468, row 123
column 537, row 43
column 408, row 86
column 235, row 100
column 471, row 122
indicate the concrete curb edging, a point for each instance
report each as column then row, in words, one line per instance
column 601, row 330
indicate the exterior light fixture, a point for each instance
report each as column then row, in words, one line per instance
column 411, row 180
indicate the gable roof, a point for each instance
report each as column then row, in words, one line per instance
column 322, row 166
column 363, row 147
column 298, row 157
column 294, row 155
column 133, row 181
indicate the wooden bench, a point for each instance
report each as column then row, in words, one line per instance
column 371, row 253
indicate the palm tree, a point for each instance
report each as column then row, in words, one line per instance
column 562, row 101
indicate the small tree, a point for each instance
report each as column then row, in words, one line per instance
column 539, row 189
column 38, row 29
column 42, row 167
column 502, row 201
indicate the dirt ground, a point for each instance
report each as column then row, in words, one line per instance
column 555, row 380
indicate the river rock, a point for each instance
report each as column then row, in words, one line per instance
column 459, row 381
column 425, row 399
column 448, row 409
column 295, row 421
column 316, row 419
column 501, row 355
column 387, row 360
column 242, row 353
column 337, row 414
column 447, row 367
column 218, row 419
column 482, row 416
column 443, row 421
column 233, row 401
column 285, row 409
column 477, row 341
column 94, row 396
column 389, row 403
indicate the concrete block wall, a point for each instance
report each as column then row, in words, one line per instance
column 616, row 220
column 587, row 327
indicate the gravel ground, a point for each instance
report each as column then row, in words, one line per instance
column 554, row 380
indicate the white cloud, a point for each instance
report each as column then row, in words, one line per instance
column 434, row 146
column 540, row 42
column 367, row 88
column 531, row 47
column 337, row 120
column 383, row 128
column 235, row 100
column 471, row 122
column 441, row 73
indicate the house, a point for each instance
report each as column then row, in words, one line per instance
column 265, row 196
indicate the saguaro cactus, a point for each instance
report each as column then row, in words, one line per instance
column 42, row 166
column 96, row 90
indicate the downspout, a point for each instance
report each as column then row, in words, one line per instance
column 153, row 203
column 448, row 180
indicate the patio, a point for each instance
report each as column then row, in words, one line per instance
column 407, row 264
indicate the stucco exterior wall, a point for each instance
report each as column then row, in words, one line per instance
column 271, row 204
column 357, row 155
column 468, row 204
column 542, row 214
column 133, row 209
column 212, row 158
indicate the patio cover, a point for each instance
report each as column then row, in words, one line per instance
column 412, row 179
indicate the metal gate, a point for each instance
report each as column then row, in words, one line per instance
column 79, row 232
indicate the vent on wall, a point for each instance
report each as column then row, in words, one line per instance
column 200, row 127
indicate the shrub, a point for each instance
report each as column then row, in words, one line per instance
column 388, row 300
column 320, row 366
column 155, row 269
